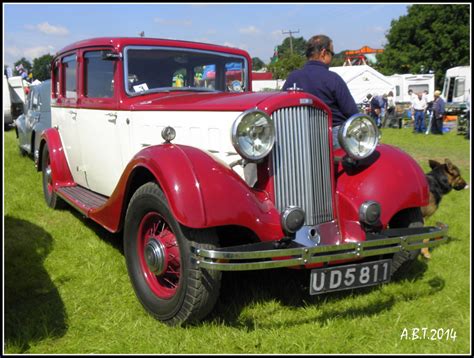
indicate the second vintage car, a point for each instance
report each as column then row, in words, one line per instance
column 165, row 141
column 37, row 117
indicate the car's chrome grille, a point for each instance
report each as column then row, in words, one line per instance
column 302, row 162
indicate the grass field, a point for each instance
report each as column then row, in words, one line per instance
column 66, row 288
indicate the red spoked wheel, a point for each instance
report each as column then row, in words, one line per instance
column 159, row 255
column 167, row 281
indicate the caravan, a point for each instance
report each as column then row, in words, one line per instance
column 457, row 92
column 457, row 84
column 416, row 83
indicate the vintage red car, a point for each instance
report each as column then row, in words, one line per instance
column 202, row 175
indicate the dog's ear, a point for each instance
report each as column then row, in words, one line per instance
column 449, row 164
column 434, row 164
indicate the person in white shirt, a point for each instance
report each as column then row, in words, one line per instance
column 419, row 108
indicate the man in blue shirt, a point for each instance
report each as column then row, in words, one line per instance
column 328, row 86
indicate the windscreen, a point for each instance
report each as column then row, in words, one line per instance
column 151, row 69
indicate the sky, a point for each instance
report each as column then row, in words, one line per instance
column 35, row 29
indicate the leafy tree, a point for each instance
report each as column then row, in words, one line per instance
column 26, row 65
column 257, row 64
column 429, row 38
column 41, row 67
column 299, row 46
column 281, row 68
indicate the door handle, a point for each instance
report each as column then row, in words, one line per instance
column 112, row 117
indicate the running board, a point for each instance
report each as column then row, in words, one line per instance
column 81, row 198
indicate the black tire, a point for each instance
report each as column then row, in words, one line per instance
column 407, row 218
column 157, row 250
column 50, row 196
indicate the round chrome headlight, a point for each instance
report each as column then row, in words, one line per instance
column 253, row 135
column 359, row 136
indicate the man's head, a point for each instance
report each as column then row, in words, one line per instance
column 410, row 92
column 320, row 48
column 437, row 93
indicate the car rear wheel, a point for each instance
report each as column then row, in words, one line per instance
column 157, row 248
column 50, row 196
column 408, row 218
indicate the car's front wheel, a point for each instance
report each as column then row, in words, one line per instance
column 168, row 283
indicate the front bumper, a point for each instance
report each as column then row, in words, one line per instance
column 265, row 255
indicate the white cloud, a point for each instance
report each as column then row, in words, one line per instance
column 183, row 22
column 38, row 51
column 249, row 30
column 48, row 29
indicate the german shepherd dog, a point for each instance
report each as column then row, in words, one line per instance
column 441, row 180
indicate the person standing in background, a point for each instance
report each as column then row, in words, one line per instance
column 438, row 113
column 419, row 108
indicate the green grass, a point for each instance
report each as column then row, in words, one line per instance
column 67, row 288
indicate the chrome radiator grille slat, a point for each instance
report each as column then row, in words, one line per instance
column 302, row 163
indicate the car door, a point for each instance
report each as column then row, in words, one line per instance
column 65, row 116
column 103, row 130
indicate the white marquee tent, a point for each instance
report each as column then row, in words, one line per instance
column 362, row 80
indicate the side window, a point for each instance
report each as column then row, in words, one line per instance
column 459, row 87
column 55, row 80
column 99, row 75
column 69, row 76
column 35, row 102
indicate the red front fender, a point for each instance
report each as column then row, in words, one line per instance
column 392, row 178
column 201, row 192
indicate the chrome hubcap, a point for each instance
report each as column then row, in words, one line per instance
column 155, row 257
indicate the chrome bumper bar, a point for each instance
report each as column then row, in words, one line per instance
column 264, row 255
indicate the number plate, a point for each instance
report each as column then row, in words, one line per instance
column 349, row 276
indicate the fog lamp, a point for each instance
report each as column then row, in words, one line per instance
column 369, row 212
column 292, row 219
